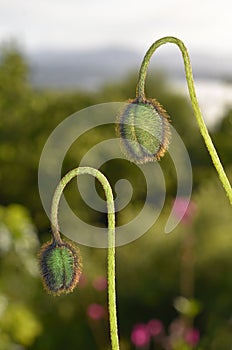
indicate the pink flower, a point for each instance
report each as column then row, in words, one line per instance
column 155, row 327
column 192, row 336
column 100, row 283
column 95, row 311
column 184, row 210
column 177, row 329
column 140, row 335
column 83, row 281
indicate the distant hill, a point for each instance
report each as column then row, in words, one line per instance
column 91, row 68
column 87, row 69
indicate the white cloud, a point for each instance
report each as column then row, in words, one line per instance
column 202, row 24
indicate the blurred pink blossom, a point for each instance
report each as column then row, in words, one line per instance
column 192, row 336
column 140, row 335
column 100, row 283
column 96, row 311
column 155, row 327
column 184, row 209
column 83, row 281
column 177, row 330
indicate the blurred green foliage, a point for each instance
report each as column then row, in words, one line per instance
column 149, row 270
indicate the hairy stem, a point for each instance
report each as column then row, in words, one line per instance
column 111, row 238
column 189, row 77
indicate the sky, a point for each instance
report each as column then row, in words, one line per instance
column 203, row 25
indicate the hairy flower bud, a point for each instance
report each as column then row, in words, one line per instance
column 143, row 127
column 60, row 265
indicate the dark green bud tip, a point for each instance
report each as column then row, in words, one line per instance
column 143, row 128
column 60, row 266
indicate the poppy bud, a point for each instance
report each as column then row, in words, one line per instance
column 143, row 127
column 60, row 265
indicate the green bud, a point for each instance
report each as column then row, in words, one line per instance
column 60, row 266
column 143, row 127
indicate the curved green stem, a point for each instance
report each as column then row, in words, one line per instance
column 111, row 238
column 189, row 77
